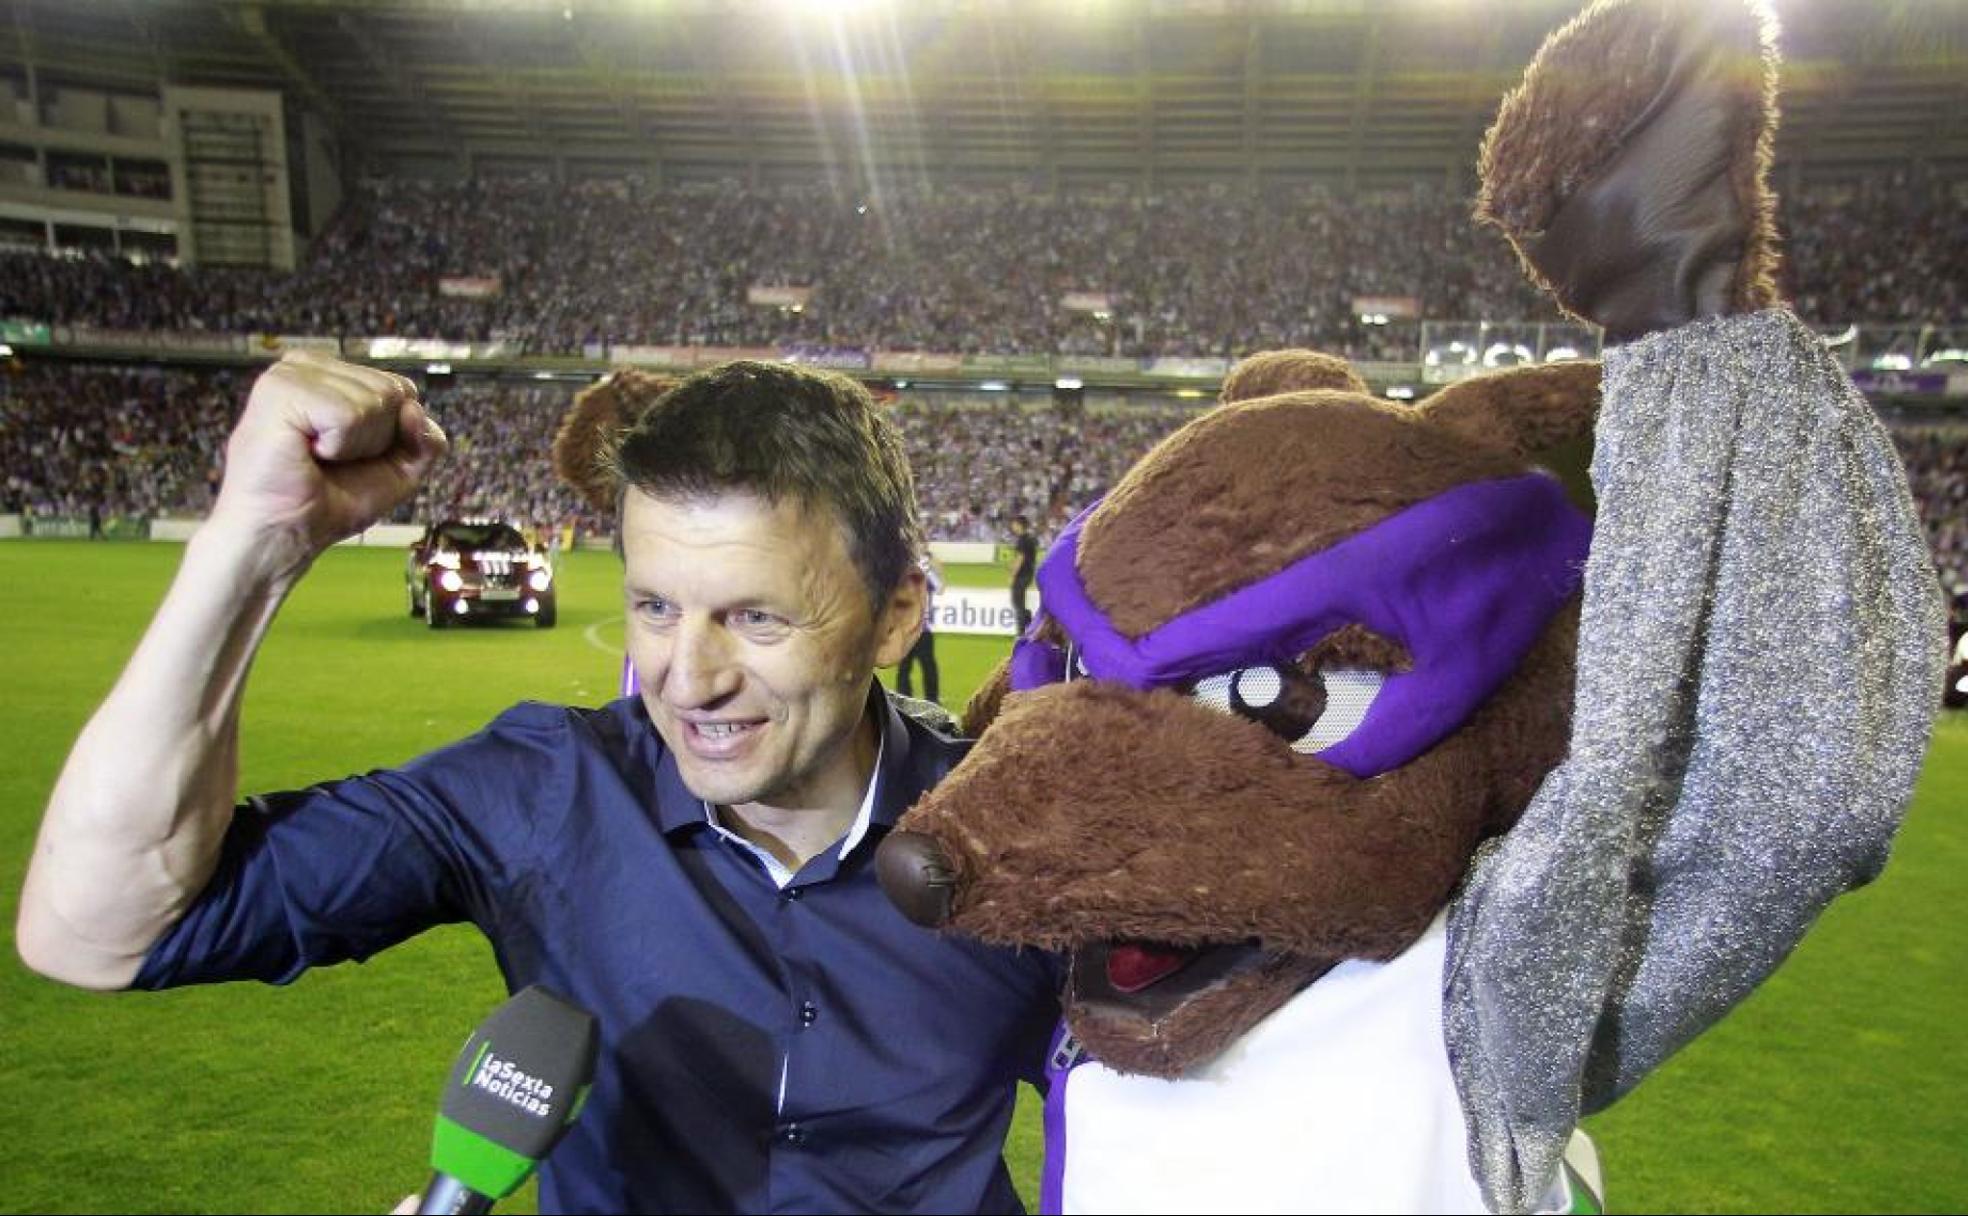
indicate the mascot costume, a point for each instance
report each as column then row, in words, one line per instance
column 1393, row 805
column 1392, row 808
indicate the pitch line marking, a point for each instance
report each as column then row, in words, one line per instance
column 593, row 635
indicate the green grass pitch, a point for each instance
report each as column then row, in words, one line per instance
column 1838, row 1087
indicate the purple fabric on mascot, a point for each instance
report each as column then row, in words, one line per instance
column 1466, row 581
column 1033, row 663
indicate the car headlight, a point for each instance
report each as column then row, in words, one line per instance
column 450, row 580
column 539, row 579
column 445, row 558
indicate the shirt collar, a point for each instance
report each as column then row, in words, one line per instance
column 781, row 875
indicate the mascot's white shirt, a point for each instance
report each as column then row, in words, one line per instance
column 1341, row 1101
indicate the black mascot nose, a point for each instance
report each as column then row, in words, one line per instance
column 916, row 876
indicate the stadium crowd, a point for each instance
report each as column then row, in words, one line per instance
column 500, row 435
column 1186, row 272
column 148, row 441
column 1189, row 272
column 980, row 460
column 1937, row 469
column 142, row 441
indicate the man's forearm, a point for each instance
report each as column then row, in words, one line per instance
column 136, row 820
column 322, row 450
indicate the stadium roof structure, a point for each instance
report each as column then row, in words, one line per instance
column 1350, row 92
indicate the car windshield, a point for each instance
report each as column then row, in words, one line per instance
column 480, row 536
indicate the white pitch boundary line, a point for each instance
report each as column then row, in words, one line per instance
column 593, row 635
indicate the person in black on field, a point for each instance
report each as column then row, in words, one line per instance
column 1025, row 549
column 924, row 651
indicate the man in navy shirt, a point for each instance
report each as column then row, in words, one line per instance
column 695, row 866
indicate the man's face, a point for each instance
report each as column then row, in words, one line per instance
column 753, row 639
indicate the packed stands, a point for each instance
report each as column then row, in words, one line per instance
column 142, row 441
column 148, row 441
column 1190, row 272
column 1937, row 469
column 550, row 268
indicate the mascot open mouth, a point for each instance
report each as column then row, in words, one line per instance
column 1148, row 979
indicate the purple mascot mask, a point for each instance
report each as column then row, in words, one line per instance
column 1465, row 582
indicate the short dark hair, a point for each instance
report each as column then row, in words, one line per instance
column 783, row 433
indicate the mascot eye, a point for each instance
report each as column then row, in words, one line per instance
column 1310, row 712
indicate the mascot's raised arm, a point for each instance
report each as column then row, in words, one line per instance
column 1396, row 806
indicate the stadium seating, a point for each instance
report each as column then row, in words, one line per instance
column 1183, row 273
column 149, row 441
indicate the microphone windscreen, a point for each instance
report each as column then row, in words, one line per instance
column 517, row 1085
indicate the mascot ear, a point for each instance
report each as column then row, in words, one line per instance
column 983, row 707
column 1543, row 414
column 1630, row 168
column 1272, row 372
column 584, row 445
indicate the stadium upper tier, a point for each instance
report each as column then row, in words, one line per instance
column 574, row 269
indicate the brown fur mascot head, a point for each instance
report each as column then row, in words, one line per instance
column 1315, row 647
column 1182, row 831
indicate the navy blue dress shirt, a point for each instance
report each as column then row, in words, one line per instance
column 763, row 1050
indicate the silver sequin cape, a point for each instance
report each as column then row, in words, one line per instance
column 1760, row 658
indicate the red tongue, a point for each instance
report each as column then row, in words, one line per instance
column 1133, row 966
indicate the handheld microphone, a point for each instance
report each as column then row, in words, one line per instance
column 517, row 1086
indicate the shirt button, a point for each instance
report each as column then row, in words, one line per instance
column 790, row 894
column 809, row 1013
column 792, row 1134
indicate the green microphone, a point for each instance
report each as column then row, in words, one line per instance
column 516, row 1088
